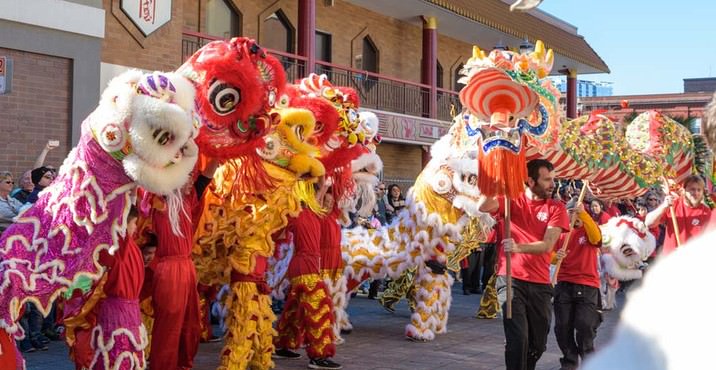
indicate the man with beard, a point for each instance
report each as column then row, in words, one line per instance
column 537, row 222
column 692, row 215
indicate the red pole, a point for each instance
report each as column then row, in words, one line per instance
column 429, row 68
column 307, row 33
column 572, row 94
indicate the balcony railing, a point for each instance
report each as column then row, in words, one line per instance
column 376, row 91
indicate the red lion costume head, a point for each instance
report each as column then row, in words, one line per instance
column 237, row 84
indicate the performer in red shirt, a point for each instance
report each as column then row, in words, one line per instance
column 331, row 257
column 175, row 299
column 692, row 215
column 308, row 311
column 576, row 296
column 537, row 221
column 113, row 335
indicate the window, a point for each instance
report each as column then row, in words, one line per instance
column 323, row 52
column 439, row 74
column 456, row 86
column 323, row 46
column 278, row 33
column 370, row 55
column 222, row 19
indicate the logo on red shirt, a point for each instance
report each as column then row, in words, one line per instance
column 582, row 240
column 542, row 216
column 695, row 222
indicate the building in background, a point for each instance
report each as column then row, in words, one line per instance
column 704, row 84
column 585, row 88
column 403, row 57
column 53, row 49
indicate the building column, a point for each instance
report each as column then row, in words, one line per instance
column 307, row 34
column 425, row 155
column 572, row 93
column 429, row 67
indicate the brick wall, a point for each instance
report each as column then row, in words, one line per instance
column 399, row 43
column 125, row 45
column 37, row 110
column 401, row 163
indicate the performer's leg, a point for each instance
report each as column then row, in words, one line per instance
column 564, row 311
column 250, row 335
column 516, row 329
column 317, row 307
column 539, row 319
column 587, row 320
column 489, row 306
column 170, row 302
column 191, row 326
column 289, row 330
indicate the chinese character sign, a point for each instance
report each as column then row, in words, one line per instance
column 148, row 15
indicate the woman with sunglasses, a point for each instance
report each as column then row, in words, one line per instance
column 9, row 206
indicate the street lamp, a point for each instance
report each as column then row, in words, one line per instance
column 500, row 46
column 526, row 46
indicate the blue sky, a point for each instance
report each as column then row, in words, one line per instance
column 650, row 46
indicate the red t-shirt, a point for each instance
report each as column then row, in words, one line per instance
column 602, row 218
column 580, row 264
column 306, row 230
column 530, row 219
column 613, row 211
column 331, row 258
column 691, row 221
column 126, row 271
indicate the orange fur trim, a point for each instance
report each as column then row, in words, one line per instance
column 502, row 173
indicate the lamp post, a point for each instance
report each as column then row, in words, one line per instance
column 526, row 46
column 500, row 46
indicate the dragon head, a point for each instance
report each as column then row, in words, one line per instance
column 145, row 121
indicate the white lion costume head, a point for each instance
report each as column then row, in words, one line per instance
column 157, row 149
column 630, row 243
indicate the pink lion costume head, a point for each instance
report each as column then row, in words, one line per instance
column 141, row 134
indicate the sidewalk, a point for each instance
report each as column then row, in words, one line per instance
column 377, row 342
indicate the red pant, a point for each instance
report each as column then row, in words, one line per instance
column 175, row 336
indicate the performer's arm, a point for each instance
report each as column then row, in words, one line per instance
column 204, row 179
column 543, row 246
column 654, row 217
column 489, row 204
column 594, row 234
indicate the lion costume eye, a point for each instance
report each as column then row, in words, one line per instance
column 223, row 97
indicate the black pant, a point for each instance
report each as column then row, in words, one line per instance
column 526, row 333
column 487, row 262
column 575, row 310
column 471, row 274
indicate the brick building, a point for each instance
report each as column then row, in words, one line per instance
column 403, row 56
column 682, row 106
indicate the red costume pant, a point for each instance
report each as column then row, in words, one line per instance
column 175, row 336
column 307, row 318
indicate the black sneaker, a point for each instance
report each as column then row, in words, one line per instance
column 38, row 345
column 284, row 353
column 26, row 346
column 323, row 363
column 43, row 339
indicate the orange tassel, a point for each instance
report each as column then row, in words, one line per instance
column 502, row 173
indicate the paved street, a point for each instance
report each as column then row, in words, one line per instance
column 377, row 343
